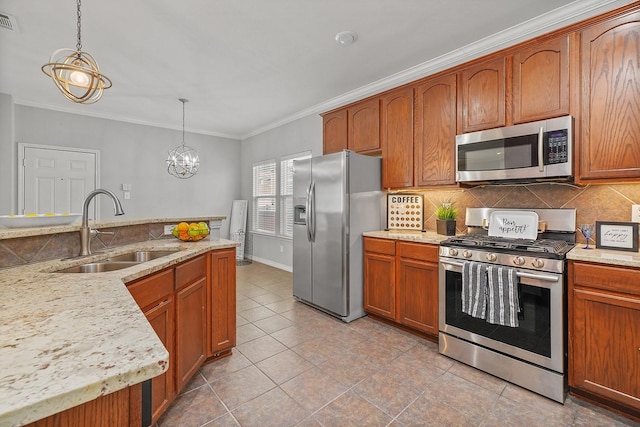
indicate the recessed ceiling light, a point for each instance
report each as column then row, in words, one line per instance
column 346, row 38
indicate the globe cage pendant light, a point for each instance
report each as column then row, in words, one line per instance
column 183, row 161
column 76, row 73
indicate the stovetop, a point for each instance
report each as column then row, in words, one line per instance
column 538, row 247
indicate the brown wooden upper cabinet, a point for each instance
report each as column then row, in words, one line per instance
column 396, row 125
column 364, row 126
column 334, row 131
column 435, row 131
column 482, row 96
column 541, row 81
column 609, row 148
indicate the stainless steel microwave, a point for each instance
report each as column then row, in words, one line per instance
column 531, row 151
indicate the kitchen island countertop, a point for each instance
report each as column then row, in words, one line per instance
column 66, row 339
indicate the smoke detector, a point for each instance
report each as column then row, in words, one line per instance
column 8, row 22
column 345, row 38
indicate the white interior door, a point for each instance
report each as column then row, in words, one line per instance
column 56, row 179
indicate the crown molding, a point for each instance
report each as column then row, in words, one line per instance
column 119, row 118
column 572, row 13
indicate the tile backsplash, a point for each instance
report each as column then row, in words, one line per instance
column 594, row 202
column 26, row 250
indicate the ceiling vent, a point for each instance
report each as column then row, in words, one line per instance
column 8, row 22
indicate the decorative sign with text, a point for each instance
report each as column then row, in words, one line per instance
column 619, row 236
column 404, row 211
column 514, row 224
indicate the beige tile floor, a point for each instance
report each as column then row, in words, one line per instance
column 295, row 366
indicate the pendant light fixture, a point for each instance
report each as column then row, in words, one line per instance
column 76, row 73
column 183, row 161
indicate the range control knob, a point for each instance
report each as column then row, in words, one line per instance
column 492, row 257
column 518, row 260
column 466, row 254
column 453, row 251
column 537, row 263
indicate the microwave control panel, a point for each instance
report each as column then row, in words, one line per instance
column 556, row 147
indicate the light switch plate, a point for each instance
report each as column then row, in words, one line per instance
column 635, row 213
column 167, row 229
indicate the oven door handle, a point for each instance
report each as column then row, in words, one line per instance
column 544, row 277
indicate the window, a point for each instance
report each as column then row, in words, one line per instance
column 264, row 197
column 286, row 192
column 272, row 209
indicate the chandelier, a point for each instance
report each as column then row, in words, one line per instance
column 183, row 161
column 76, row 73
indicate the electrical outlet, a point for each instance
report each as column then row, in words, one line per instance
column 168, row 229
column 635, row 213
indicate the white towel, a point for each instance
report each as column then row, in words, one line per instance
column 474, row 285
column 502, row 296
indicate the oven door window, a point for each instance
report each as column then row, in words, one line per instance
column 534, row 332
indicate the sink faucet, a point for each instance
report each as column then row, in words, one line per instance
column 86, row 233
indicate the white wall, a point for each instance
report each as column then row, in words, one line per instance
column 304, row 134
column 7, row 155
column 135, row 154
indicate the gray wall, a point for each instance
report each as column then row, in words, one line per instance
column 7, row 156
column 133, row 154
column 304, row 134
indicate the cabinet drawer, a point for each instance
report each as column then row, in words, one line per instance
column 381, row 246
column 420, row 251
column 152, row 288
column 190, row 271
column 617, row 279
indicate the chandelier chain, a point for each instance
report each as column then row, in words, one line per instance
column 79, row 43
column 183, row 102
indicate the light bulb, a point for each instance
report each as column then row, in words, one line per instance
column 79, row 78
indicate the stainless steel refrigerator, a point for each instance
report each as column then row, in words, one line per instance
column 336, row 197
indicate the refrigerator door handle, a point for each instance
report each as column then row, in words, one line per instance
column 308, row 212
column 311, row 213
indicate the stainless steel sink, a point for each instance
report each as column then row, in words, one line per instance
column 98, row 267
column 118, row 262
column 141, row 256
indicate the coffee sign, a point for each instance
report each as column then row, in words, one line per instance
column 404, row 212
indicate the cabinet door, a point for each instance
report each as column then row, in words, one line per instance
column 541, row 81
column 334, row 131
column 190, row 331
column 482, row 90
column 222, row 301
column 161, row 319
column 610, row 141
column 418, row 289
column 380, row 284
column 605, row 338
column 364, row 126
column 397, row 138
column 435, row 132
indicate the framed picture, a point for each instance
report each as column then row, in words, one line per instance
column 619, row 236
column 404, row 212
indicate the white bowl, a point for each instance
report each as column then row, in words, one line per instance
column 40, row 220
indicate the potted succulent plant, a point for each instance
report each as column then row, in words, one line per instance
column 446, row 219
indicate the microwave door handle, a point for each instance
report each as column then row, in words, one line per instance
column 541, row 149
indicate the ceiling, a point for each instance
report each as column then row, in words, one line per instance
column 249, row 65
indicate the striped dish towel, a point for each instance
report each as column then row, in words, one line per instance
column 474, row 285
column 502, row 296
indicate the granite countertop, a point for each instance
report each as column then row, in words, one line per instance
column 12, row 233
column 66, row 339
column 605, row 256
column 409, row 236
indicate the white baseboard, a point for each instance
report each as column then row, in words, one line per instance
column 273, row 264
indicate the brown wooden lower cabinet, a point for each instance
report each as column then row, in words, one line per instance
column 120, row 408
column 222, row 302
column 604, row 334
column 401, row 283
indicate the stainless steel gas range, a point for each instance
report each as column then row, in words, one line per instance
column 532, row 353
